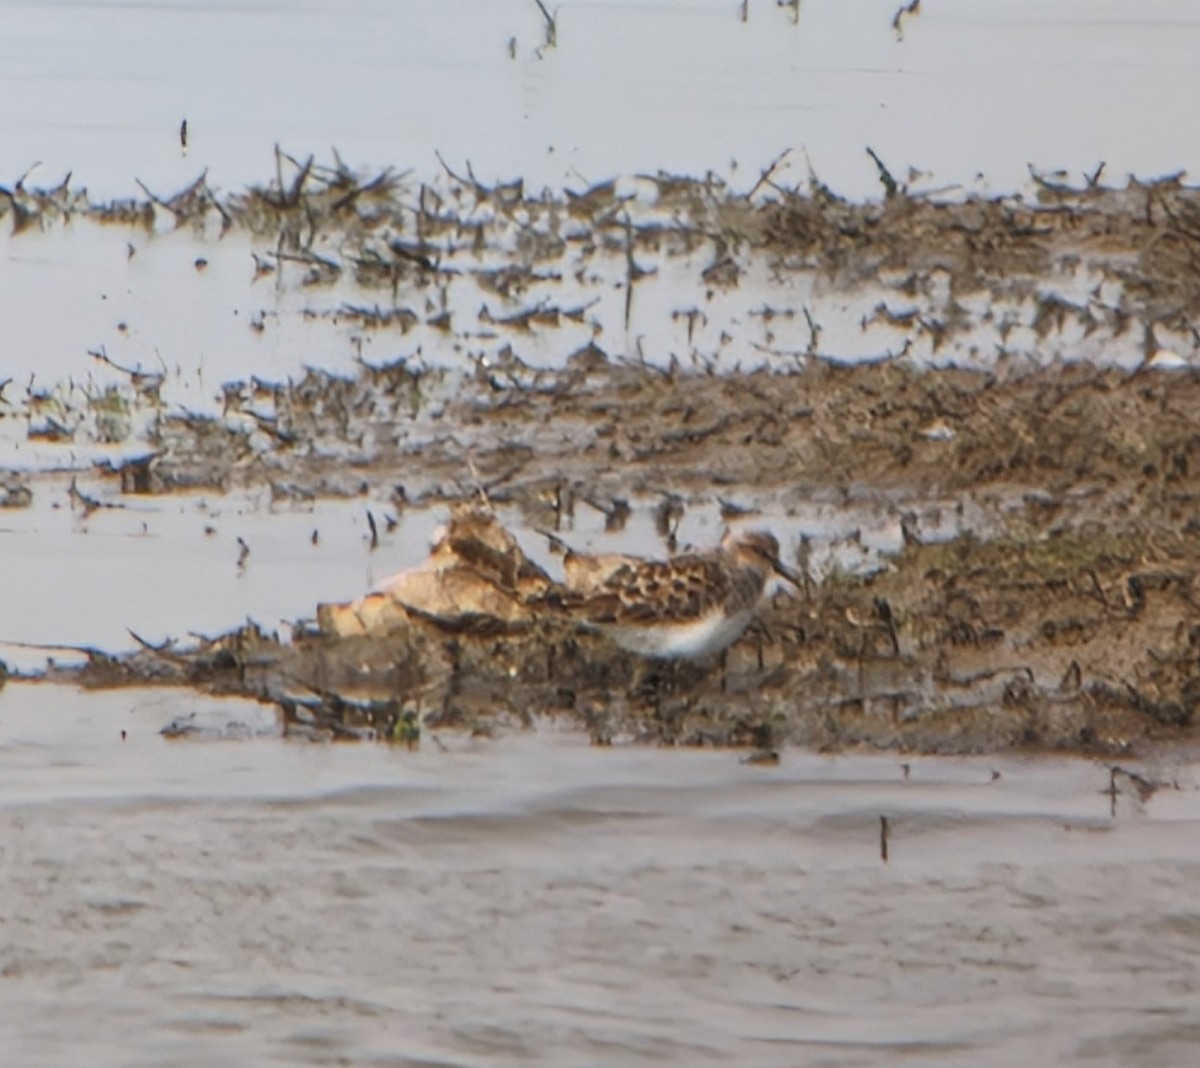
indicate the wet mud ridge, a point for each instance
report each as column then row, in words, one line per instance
column 1069, row 640
column 1067, row 617
column 1042, row 591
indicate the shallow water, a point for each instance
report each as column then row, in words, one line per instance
column 969, row 93
column 166, row 567
column 969, row 98
column 532, row 900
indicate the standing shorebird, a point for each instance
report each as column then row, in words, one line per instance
column 688, row 607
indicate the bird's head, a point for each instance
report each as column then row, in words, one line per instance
column 758, row 548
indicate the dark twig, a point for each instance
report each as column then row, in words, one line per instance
column 898, row 21
column 890, row 185
column 765, row 177
column 551, row 25
column 135, row 375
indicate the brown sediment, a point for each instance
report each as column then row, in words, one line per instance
column 1059, row 641
column 1044, row 449
column 1071, row 623
column 1067, row 619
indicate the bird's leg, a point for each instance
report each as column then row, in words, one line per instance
column 645, row 683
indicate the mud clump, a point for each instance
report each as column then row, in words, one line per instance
column 1063, row 614
column 1049, row 440
column 1059, row 642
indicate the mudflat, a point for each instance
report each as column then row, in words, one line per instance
column 1015, row 562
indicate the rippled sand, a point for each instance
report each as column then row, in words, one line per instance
column 534, row 900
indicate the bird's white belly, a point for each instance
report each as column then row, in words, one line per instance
column 674, row 641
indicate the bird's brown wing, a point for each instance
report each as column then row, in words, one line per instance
column 681, row 589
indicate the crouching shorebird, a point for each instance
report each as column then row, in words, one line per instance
column 688, row 607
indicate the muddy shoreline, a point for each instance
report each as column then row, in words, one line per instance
column 1068, row 620
column 1056, row 608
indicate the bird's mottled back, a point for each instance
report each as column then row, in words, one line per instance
column 689, row 606
column 684, row 588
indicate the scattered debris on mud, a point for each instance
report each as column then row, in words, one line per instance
column 1059, row 612
column 596, row 431
column 1058, row 640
